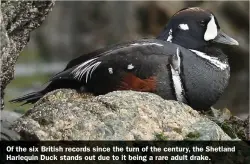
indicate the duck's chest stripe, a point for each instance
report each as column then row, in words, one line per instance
column 177, row 82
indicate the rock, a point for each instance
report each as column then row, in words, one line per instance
column 7, row 119
column 17, row 19
column 234, row 126
column 121, row 115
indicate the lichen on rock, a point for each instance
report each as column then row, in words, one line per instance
column 121, row 115
column 17, row 19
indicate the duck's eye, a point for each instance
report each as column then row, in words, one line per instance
column 202, row 23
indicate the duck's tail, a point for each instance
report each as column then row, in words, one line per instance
column 53, row 85
column 29, row 98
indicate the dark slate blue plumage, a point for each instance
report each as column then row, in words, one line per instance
column 183, row 63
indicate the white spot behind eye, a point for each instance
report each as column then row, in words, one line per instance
column 211, row 31
column 183, row 27
column 130, row 66
column 110, row 70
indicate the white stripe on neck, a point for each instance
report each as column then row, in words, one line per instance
column 213, row 60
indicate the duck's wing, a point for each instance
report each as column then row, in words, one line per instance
column 129, row 66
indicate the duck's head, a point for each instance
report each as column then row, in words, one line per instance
column 195, row 28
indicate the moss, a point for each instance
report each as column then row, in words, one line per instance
column 233, row 128
column 227, row 128
column 161, row 136
column 232, row 125
column 177, row 130
column 193, row 135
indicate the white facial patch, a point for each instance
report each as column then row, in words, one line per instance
column 183, row 27
column 211, row 31
column 130, row 66
column 170, row 37
column 110, row 70
column 213, row 60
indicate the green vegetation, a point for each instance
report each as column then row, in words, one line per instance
column 232, row 125
column 193, row 135
column 161, row 137
column 177, row 130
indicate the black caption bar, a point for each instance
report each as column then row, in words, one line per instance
column 125, row 152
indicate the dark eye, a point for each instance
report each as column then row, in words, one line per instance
column 202, row 23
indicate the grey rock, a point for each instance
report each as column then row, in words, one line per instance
column 17, row 19
column 9, row 116
column 120, row 115
column 7, row 119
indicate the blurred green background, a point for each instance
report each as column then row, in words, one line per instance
column 75, row 28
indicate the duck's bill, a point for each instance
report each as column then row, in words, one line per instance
column 225, row 39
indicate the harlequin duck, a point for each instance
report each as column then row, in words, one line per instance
column 183, row 63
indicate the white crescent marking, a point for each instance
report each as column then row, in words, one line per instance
column 213, row 60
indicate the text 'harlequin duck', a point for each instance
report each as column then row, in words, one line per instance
column 183, row 63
